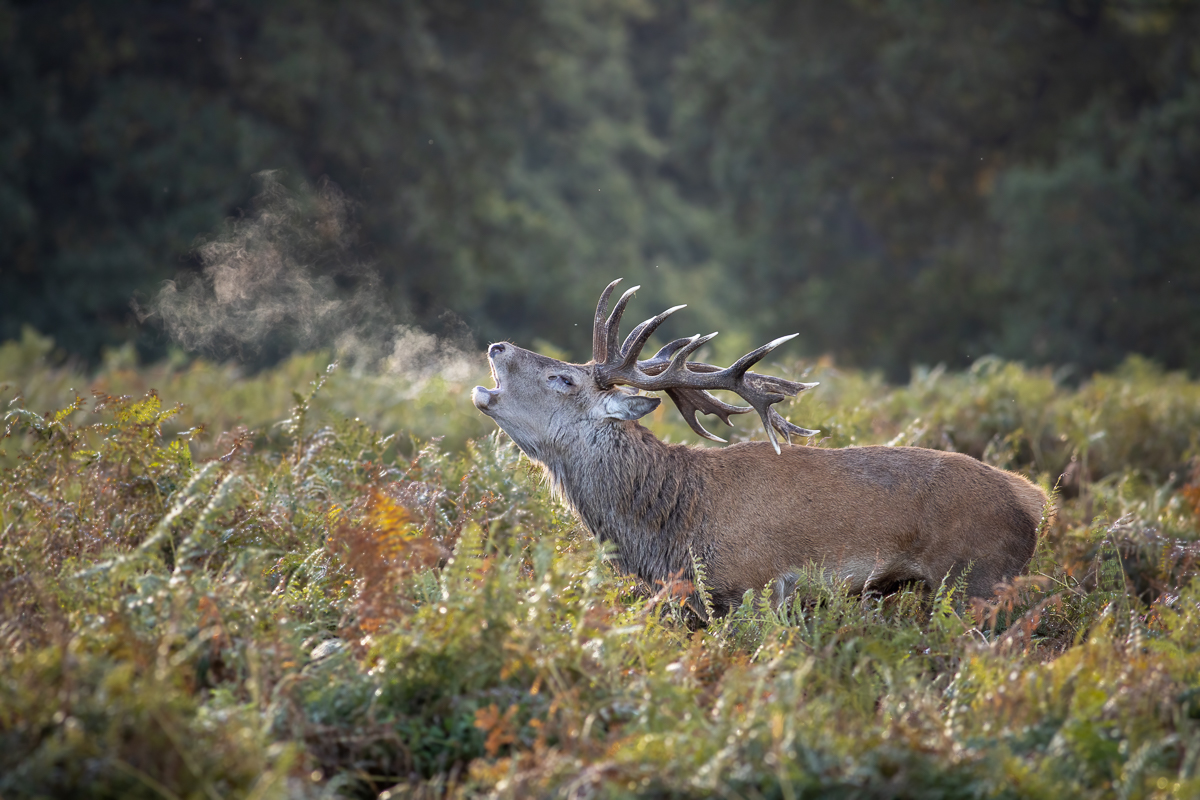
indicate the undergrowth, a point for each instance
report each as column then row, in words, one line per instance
column 312, row 611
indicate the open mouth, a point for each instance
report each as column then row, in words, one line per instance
column 482, row 396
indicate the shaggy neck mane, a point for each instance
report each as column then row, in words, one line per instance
column 633, row 490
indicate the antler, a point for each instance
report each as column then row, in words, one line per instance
column 686, row 382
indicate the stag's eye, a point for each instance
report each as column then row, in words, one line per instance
column 560, row 381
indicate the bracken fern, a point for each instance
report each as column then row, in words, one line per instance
column 339, row 605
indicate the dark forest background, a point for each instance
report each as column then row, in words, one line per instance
column 902, row 182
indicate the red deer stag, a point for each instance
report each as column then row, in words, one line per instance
column 752, row 513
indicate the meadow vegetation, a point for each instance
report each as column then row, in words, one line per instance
column 361, row 589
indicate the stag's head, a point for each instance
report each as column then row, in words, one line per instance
column 542, row 402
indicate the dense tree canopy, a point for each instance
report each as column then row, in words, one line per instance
column 920, row 181
column 901, row 182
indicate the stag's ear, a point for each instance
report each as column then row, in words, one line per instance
column 618, row 405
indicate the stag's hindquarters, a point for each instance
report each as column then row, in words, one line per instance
column 871, row 516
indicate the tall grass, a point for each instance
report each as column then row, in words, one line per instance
column 312, row 596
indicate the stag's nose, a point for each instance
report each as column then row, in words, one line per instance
column 495, row 350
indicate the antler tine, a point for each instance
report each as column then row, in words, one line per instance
column 657, row 362
column 762, row 404
column 788, row 429
column 747, row 361
column 691, row 401
column 633, row 334
column 638, row 337
column 599, row 331
column 688, row 402
column 679, row 362
column 612, row 328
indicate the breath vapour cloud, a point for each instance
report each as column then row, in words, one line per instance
column 285, row 278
